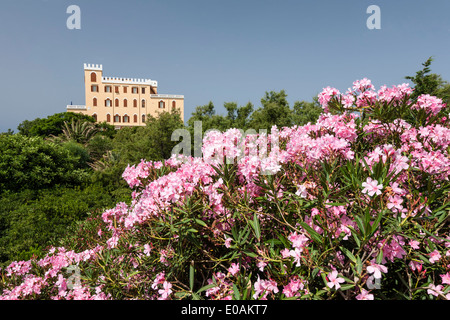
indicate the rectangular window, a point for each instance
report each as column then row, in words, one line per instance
column 107, row 88
column 124, row 89
column 94, row 88
column 134, row 90
column 117, row 89
column 143, row 90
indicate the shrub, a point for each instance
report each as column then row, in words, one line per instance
column 32, row 163
column 354, row 206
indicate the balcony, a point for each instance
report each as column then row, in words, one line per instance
column 75, row 107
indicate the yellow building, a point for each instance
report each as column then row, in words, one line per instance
column 123, row 102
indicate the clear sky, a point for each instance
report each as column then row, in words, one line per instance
column 212, row 50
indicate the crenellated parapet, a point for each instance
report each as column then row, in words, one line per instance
column 150, row 82
column 89, row 66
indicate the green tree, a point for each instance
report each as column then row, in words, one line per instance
column 30, row 220
column 78, row 131
column 426, row 82
column 304, row 112
column 52, row 125
column 275, row 110
column 152, row 142
column 33, row 163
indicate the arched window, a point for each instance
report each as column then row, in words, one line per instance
column 135, row 118
column 125, row 103
column 126, row 118
column 161, row 104
column 94, row 116
column 143, row 118
column 116, row 118
column 108, row 118
column 93, row 77
column 135, row 103
column 143, row 103
column 94, row 102
column 116, row 102
column 174, row 104
column 108, row 102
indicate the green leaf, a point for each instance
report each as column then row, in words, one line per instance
column 358, row 265
column 380, row 256
column 200, row 222
column 314, row 235
column 195, row 296
column 236, row 294
column 209, row 286
column 348, row 254
column 346, row 286
column 191, row 276
column 255, row 225
column 355, row 236
column 251, row 254
column 376, row 222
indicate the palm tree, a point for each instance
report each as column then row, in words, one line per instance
column 80, row 132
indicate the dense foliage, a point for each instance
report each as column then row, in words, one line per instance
column 32, row 163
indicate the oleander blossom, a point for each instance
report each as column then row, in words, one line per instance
column 372, row 187
column 334, row 280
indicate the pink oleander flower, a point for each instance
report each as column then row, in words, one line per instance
column 160, row 278
column 301, row 191
column 414, row 244
column 372, row 187
column 298, row 240
column 166, row 291
column 395, row 188
column 434, row 256
column 364, row 295
column 285, row 253
column 264, row 287
column 261, row 264
column 293, row 287
column 147, row 249
column 415, row 265
column 435, row 290
column 395, row 202
column 362, row 85
column 234, row 268
column 228, row 242
column 445, row 278
column 112, row 242
column 334, row 281
column 376, row 269
column 296, row 254
column 326, row 95
column 348, row 100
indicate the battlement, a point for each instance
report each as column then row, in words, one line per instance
column 88, row 66
column 153, row 83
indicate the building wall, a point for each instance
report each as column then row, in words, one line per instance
column 110, row 106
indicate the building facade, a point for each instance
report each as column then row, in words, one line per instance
column 123, row 102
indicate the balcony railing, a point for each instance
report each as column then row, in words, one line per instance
column 167, row 96
column 77, row 107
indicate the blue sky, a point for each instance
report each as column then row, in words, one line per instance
column 212, row 50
